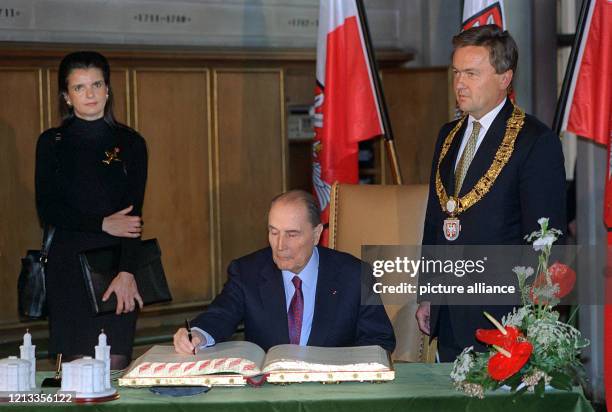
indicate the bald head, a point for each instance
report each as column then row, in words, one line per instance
column 303, row 198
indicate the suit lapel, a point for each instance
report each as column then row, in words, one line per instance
column 486, row 151
column 272, row 294
column 447, row 167
column 325, row 300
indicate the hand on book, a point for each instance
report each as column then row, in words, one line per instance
column 182, row 343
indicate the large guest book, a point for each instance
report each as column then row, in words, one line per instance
column 236, row 363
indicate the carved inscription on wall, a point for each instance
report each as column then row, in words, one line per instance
column 231, row 23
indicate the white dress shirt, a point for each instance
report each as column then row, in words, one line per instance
column 485, row 123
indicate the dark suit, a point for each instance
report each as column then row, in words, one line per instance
column 530, row 186
column 254, row 294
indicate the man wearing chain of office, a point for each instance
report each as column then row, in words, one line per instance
column 495, row 172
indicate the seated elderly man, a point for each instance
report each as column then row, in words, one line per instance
column 293, row 291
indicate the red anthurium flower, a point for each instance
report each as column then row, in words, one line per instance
column 501, row 366
column 497, row 337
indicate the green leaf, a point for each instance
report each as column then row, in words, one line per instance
column 518, row 393
column 561, row 381
column 539, row 389
column 513, row 381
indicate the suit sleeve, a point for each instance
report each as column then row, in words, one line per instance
column 137, row 180
column 51, row 205
column 223, row 315
column 373, row 324
column 542, row 184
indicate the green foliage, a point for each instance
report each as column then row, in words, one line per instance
column 555, row 358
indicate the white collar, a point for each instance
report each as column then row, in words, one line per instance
column 486, row 120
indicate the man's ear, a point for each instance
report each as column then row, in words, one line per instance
column 317, row 233
column 506, row 79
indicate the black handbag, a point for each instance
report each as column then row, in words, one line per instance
column 31, row 289
column 100, row 266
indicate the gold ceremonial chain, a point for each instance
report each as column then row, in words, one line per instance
column 482, row 187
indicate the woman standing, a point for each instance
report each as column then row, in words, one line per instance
column 90, row 182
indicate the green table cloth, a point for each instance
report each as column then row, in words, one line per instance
column 417, row 387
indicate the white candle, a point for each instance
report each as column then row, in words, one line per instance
column 27, row 339
column 102, row 339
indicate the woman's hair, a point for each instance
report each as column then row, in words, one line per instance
column 84, row 60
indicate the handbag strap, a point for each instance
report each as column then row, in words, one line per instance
column 47, row 238
column 49, row 229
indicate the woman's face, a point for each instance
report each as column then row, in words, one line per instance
column 87, row 93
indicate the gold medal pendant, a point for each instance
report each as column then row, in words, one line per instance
column 452, row 227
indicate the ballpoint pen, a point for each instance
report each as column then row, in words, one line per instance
column 188, row 327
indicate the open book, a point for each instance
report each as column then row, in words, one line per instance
column 232, row 363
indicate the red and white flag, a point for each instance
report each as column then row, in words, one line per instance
column 589, row 103
column 588, row 113
column 481, row 12
column 346, row 109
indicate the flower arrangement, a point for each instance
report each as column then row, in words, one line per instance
column 531, row 348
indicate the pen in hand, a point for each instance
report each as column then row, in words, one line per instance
column 188, row 327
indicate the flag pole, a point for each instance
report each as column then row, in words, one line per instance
column 389, row 141
column 569, row 71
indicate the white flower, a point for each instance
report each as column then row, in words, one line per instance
column 515, row 318
column 547, row 292
column 542, row 242
column 462, row 365
column 523, row 271
column 519, row 270
column 543, row 221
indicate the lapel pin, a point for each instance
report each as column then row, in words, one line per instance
column 111, row 156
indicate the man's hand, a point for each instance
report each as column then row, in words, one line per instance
column 125, row 288
column 422, row 317
column 121, row 224
column 182, row 344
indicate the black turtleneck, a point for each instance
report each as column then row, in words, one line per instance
column 76, row 188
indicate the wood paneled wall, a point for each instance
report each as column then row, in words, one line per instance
column 214, row 123
column 21, row 121
column 250, row 142
column 419, row 101
column 172, row 112
column 215, row 132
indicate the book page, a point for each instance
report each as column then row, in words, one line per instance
column 319, row 359
column 244, row 358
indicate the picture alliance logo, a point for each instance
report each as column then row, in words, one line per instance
column 412, row 267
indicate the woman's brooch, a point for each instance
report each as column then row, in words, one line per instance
column 111, row 156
